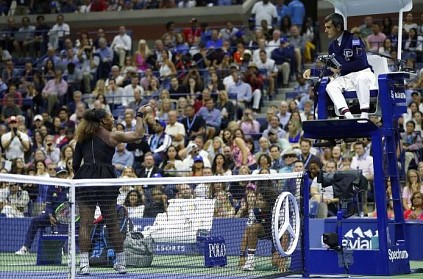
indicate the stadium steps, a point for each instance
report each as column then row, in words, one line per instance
column 280, row 96
column 282, row 92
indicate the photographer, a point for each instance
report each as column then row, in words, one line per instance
column 354, row 72
column 89, row 64
column 14, row 143
column 248, row 124
column 51, row 151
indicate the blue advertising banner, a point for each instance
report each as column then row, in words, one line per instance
column 359, row 236
column 215, row 252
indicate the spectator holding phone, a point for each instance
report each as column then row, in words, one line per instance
column 14, row 142
column 51, row 151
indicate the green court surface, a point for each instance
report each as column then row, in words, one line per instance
column 165, row 267
column 175, row 265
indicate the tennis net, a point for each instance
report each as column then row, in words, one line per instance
column 170, row 227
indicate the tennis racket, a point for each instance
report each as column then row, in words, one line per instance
column 63, row 213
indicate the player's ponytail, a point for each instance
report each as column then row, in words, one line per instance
column 90, row 124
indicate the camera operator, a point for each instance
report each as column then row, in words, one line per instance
column 355, row 71
column 325, row 195
column 15, row 143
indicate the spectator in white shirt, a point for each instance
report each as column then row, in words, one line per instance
column 58, row 33
column 122, row 45
column 262, row 45
column 264, row 10
column 364, row 163
column 14, row 142
column 114, row 93
column 275, row 42
column 193, row 151
column 134, row 202
column 409, row 22
column 16, row 203
column 325, row 194
column 85, row 7
column 175, row 130
column 128, row 91
column 269, row 70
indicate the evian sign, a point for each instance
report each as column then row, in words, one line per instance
column 357, row 239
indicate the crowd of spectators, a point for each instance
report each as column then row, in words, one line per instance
column 25, row 7
column 206, row 87
column 381, row 36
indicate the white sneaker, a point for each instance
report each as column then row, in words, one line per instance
column 85, row 270
column 121, row 269
column 248, row 267
column 22, row 252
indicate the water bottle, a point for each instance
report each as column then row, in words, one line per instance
column 374, row 241
column 111, row 256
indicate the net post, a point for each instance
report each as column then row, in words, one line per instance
column 72, row 239
column 306, row 222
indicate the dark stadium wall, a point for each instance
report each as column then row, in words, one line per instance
column 146, row 24
column 147, row 18
column 150, row 24
column 236, row 13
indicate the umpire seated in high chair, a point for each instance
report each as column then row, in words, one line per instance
column 56, row 195
column 353, row 71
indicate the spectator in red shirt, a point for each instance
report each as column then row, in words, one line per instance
column 256, row 81
column 10, row 109
column 98, row 6
column 13, row 92
column 416, row 210
column 192, row 34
